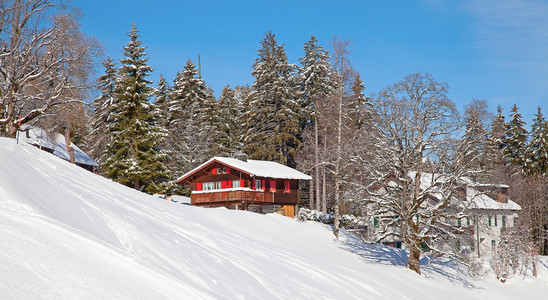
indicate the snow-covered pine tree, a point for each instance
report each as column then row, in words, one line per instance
column 162, row 101
column 537, row 150
column 136, row 158
column 273, row 112
column 474, row 141
column 189, row 141
column 515, row 140
column 229, row 129
column 99, row 136
column 495, row 161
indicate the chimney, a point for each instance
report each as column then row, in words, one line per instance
column 240, row 155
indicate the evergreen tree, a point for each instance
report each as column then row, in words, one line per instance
column 229, row 130
column 537, row 151
column 273, row 112
column 316, row 79
column 189, row 108
column 162, row 100
column 515, row 139
column 99, row 137
column 474, row 142
column 135, row 156
column 359, row 107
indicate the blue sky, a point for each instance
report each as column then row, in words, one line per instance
column 495, row 50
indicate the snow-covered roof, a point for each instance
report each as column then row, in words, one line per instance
column 475, row 199
column 40, row 138
column 479, row 200
column 258, row 168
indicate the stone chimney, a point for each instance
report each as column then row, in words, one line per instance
column 240, row 155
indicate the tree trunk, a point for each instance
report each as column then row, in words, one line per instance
column 136, row 182
column 414, row 259
column 317, row 168
column 324, row 181
column 337, row 173
column 68, row 143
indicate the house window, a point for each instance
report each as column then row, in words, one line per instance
column 459, row 223
column 208, row 186
column 474, row 220
column 286, row 186
column 376, row 222
column 218, row 185
column 490, row 224
column 503, row 221
column 493, row 244
column 472, row 245
column 495, row 217
column 236, row 183
column 468, row 221
column 258, row 184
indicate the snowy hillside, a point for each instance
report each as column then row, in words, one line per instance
column 66, row 233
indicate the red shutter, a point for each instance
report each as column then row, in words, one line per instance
column 253, row 184
column 273, row 185
column 229, row 184
column 286, row 186
column 198, row 186
column 242, row 183
column 227, row 170
column 224, row 184
column 263, row 184
column 214, row 171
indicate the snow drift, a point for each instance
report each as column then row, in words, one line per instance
column 66, row 233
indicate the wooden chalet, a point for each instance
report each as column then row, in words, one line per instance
column 239, row 183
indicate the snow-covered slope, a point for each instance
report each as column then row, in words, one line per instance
column 66, row 233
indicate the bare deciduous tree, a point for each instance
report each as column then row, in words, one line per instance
column 44, row 60
column 415, row 121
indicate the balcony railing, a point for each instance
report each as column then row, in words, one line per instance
column 231, row 196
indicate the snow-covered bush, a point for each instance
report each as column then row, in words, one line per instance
column 306, row 214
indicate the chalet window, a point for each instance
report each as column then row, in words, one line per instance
column 459, row 223
column 495, row 220
column 503, row 221
column 468, row 221
column 474, row 220
column 376, row 222
column 273, row 186
column 258, row 184
column 218, row 185
column 490, row 224
column 236, row 183
column 208, row 186
column 286, row 186
column 493, row 244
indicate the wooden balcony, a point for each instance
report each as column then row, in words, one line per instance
column 231, row 197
